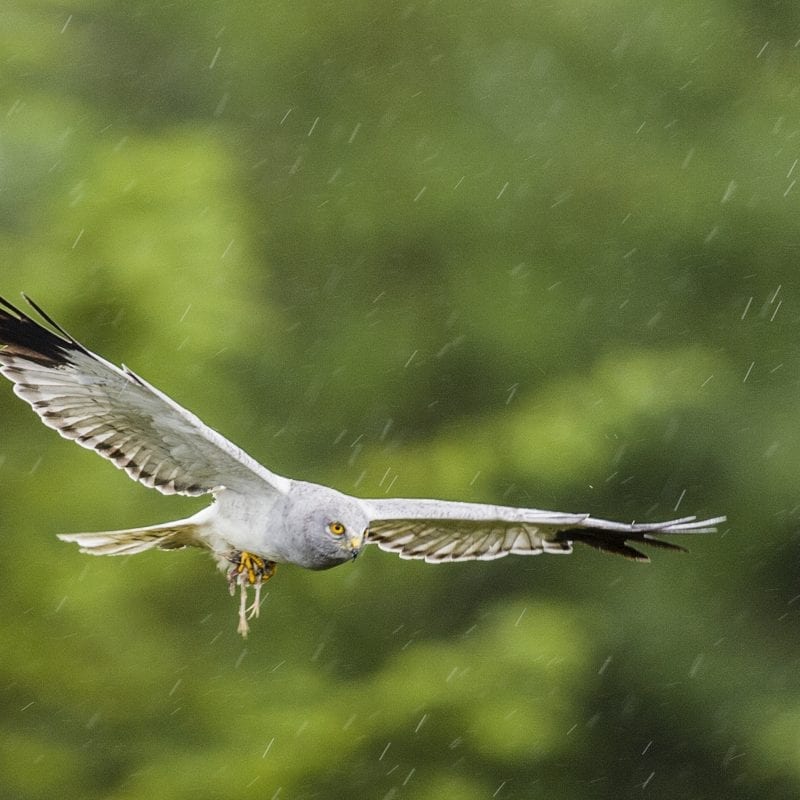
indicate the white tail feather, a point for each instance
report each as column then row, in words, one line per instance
column 170, row 536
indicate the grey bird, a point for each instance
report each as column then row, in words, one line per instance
column 259, row 519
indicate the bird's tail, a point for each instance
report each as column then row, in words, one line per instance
column 168, row 536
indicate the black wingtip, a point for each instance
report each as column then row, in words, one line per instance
column 619, row 543
column 616, row 545
column 23, row 337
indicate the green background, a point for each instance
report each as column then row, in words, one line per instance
column 540, row 254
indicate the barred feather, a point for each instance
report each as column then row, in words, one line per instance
column 119, row 415
column 438, row 531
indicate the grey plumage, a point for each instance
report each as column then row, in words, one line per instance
column 259, row 518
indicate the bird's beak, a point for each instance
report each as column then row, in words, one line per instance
column 356, row 543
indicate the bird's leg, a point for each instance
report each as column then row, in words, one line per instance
column 242, row 628
column 248, row 570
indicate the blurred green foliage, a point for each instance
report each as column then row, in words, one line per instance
column 540, row 254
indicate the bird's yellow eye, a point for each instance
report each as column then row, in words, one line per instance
column 336, row 528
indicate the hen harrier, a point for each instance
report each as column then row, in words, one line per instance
column 259, row 519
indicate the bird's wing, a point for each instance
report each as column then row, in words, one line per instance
column 437, row 531
column 119, row 415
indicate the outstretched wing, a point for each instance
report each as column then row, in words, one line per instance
column 438, row 531
column 119, row 415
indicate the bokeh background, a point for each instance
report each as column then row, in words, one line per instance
column 530, row 253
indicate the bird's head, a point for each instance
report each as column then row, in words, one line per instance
column 331, row 526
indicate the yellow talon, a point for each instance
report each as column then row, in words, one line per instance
column 255, row 566
column 256, row 569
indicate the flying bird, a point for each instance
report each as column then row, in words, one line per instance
column 259, row 519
